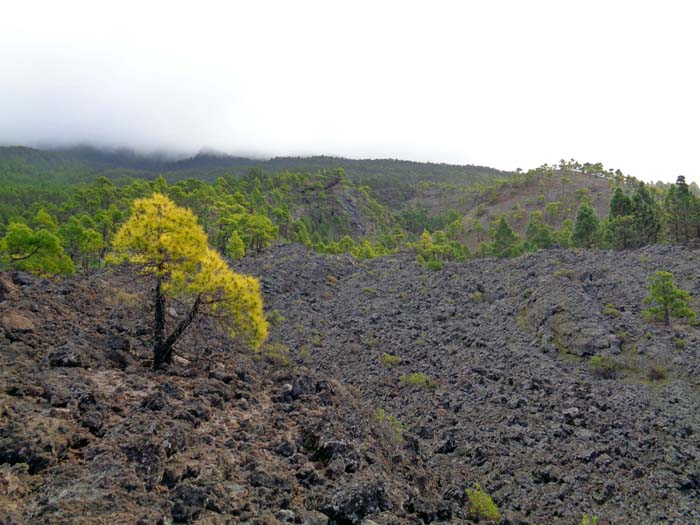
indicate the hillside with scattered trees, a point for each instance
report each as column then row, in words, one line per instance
column 52, row 223
column 327, row 341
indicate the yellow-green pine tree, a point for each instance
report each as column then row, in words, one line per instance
column 166, row 243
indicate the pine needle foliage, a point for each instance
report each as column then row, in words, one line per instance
column 168, row 245
column 481, row 506
column 666, row 300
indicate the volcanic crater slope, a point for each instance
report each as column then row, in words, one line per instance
column 488, row 366
column 385, row 390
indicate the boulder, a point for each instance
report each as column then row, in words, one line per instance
column 353, row 504
column 67, row 355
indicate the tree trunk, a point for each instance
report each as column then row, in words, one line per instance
column 667, row 317
column 160, row 354
column 173, row 337
column 163, row 351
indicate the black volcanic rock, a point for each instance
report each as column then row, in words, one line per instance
column 222, row 436
column 514, row 391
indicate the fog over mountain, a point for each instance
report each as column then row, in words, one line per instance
column 505, row 84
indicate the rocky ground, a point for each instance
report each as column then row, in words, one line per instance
column 324, row 426
column 515, row 404
column 90, row 435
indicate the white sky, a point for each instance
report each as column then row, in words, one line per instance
column 500, row 83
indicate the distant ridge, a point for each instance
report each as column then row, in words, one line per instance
column 82, row 163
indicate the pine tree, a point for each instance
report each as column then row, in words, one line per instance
column 666, row 299
column 632, row 222
column 81, row 241
column 235, row 248
column 168, row 245
column 346, row 244
column 621, row 232
column 256, row 230
column 587, row 227
column 647, row 217
column 538, row 234
column 563, row 236
column 679, row 211
column 673, row 217
column 39, row 251
column 620, row 204
column 505, row 242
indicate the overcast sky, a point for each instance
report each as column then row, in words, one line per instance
column 500, row 83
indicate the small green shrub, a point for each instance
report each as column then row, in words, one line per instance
column 127, row 299
column 568, row 273
column 679, row 344
column 276, row 354
column 275, row 318
column 392, row 422
column 610, row 310
column 370, row 339
column 475, row 297
column 605, row 367
column 418, row 379
column 315, row 338
column 657, row 373
column 369, row 291
column 593, row 520
column 304, row 353
column 481, row 506
column 390, row 359
column 429, row 263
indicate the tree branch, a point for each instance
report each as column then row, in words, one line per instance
column 182, row 326
column 15, row 258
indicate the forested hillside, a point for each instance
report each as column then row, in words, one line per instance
column 327, row 341
column 60, row 209
column 83, row 163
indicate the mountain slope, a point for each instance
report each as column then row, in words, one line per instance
column 516, row 404
column 208, row 166
column 90, row 435
column 328, row 425
column 557, row 194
